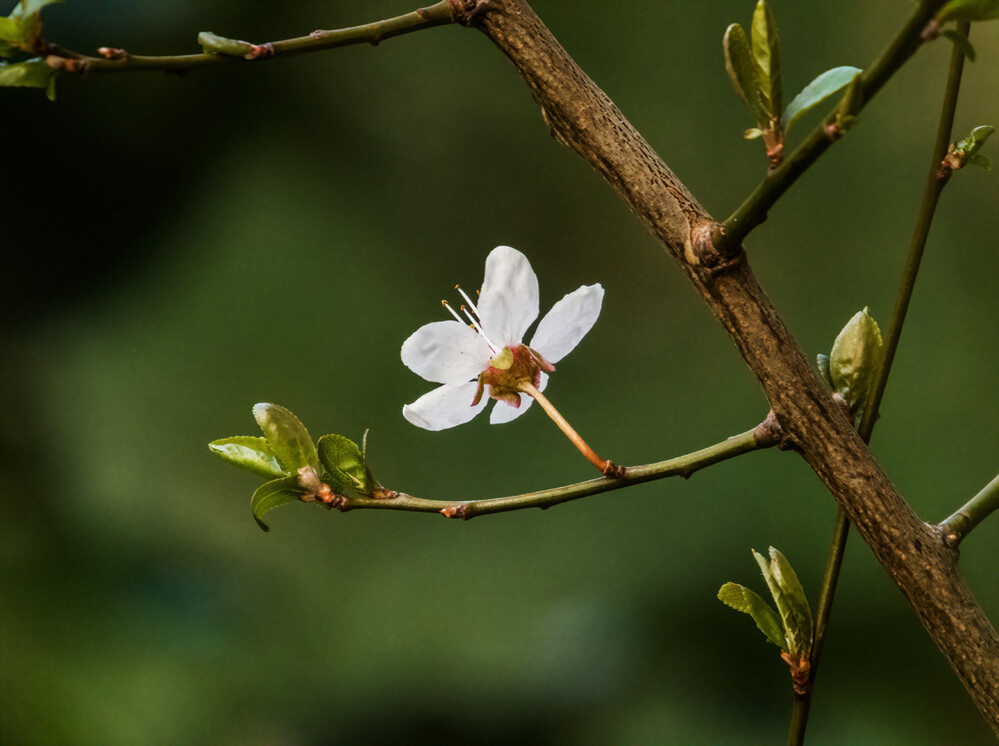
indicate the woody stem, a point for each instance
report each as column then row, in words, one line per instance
column 605, row 466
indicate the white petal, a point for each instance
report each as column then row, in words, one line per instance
column 508, row 304
column 568, row 322
column 503, row 412
column 446, row 352
column 444, row 407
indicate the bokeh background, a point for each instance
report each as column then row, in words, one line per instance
column 179, row 248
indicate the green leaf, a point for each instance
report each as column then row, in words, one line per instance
column 287, row 437
column 792, row 605
column 749, row 602
column 27, row 8
column 960, row 41
column 33, row 73
column 215, row 44
column 248, row 452
column 273, row 494
column 739, row 65
column 766, row 56
column 822, row 361
column 752, row 133
column 344, row 464
column 10, row 37
column 855, row 358
column 982, row 161
column 969, row 10
column 813, row 94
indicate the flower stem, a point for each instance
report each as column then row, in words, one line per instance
column 605, row 466
column 936, row 181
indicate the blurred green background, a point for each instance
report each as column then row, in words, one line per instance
column 179, row 248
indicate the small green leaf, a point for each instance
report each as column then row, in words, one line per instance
column 248, row 452
column 969, row 10
column 33, row 73
column 960, row 41
column 766, row 58
column 792, row 605
column 752, row 133
column 215, row 44
column 855, row 358
column 982, row 161
column 287, row 437
column 974, row 141
column 822, row 361
column 739, row 64
column 344, row 464
column 813, row 94
column 10, row 37
column 271, row 494
column 749, row 602
column 30, row 7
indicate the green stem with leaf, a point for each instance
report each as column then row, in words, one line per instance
column 753, row 210
column 220, row 50
column 935, row 183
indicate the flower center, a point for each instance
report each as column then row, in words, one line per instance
column 471, row 318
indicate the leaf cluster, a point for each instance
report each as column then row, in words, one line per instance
column 789, row 627
column 297, row 469
column 754, row 67
column 21, row 33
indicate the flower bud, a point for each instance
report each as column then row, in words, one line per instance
column 855, row 359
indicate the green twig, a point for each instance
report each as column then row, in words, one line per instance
column 231, row 50
column 764, row 435
column 960, row 524
column 935, row 183
column 754, row 210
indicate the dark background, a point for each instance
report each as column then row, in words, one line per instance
column 179, row 248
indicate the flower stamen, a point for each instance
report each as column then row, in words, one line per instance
column 467, row 300
column 472, row 317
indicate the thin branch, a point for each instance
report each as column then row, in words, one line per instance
column 764, row 435
column 960, row 524
column 935, row 183
column 225, row 51
column 754, row 210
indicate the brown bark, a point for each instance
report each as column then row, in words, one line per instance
column 914, row 553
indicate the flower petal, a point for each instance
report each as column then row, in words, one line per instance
column 446, row 352
column 503, row 412
column 568, row 322
column 508, row 304
column 444, row 407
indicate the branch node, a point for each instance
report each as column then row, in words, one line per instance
column 260, row 51
column 770, row 433
column 708, row 248
column 113, row 53
column 613, row 471
column 459, row 511
column 468, row 12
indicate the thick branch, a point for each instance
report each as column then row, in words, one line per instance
column 924, row 567
column 764, row 435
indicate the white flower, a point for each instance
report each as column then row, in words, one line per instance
column 489, row 353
